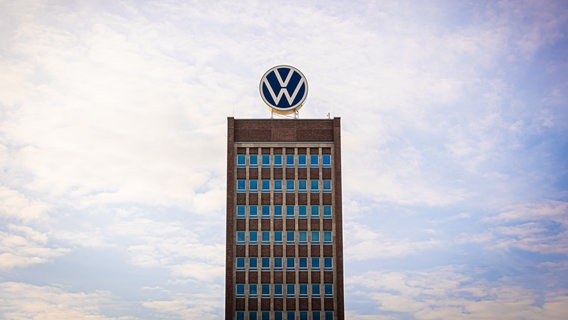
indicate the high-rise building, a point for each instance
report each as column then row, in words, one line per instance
column 284, row 219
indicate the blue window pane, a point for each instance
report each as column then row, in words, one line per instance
column 253, row 315
column 302, row 211
column 327, row 211
column 326, row 161
column 265, row 185
column 253, row 263
column 240, row 263
column 327, row 237
column 265, row 237
column 289, row 161
column 277, row 161
column 265, row 315
column 265, row 264
column 266, row 161
column 302, row 237
column 265, row 212
column 303, row 290
column 291, row 315
column 314, row 186
column 316, row 315
column 240, row 237
column 241, row 186
column 253, row 185
column 290, row 237
column 315, row 263
column 277, row 237
column 253, row 212
column 290, row 292
column 241, row 161
column 326, row 185
column 253, row 237
column 277, row 185
column 315, row 211
column 240, row 290
column 302, row 186
column 252, row 289
column 314, row 161
column 315, row 289
column 328, row 289
column 289, row 211
column 278, row 290
column 265, row 290
column 315, row 237
column 289, row 185
column 329, row 315
column 253, row 161
column 290, row 264
column 303, row 315
column 328, row 263
column 240, row 212
column 277, row 211
column 277, row 315
column 301, row 161
column 240, row 315
column 277, row 263
column 303, row 263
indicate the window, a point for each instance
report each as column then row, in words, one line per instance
column 265, row 315
column 326, row 185
column 240, row 315
column 327, row 211
column 290, row 264
column 265, row 290
column 277, row 263
column 289, row 237
column 253, row 161
column 289, row 211
column 277, row 211
column 315, row 263
column 277, row 161
column 253, row 315
column 303, row 237
column 326, row 161
column 253, row 185
column 265, row 237
column 315, row 237
column 241, row 186
column 289, row 185
column 303, row 290
column 303, row 262
column 290, row 292
column 301, row 185
column 266, row 161
column 327, row 263
column 240, row 263
column 316, row 290
column 240, row 212
column 302, row 212
column 240, row 290
column 314, row 159
column 265, row 212
column 289, row 161
column 253, row 237
column 240, row 237
column 301, row 161
column 277, row 185
column 277, row 315
column 241, row 161
column 315, row 211
column 328, row 290
column 252, row 290
column 291, row 315
column 277, row 237
column 316, row 315
column 327, row 237
column 265, row 185
column 314, row 186
column 253, row 263
column 265, row 264
column 329, row 315
column 278, row 290
column 253, row 212
column 303, row 315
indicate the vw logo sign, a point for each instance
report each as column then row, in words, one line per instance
column 284, row 89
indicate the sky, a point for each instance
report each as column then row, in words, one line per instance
column 113, row 118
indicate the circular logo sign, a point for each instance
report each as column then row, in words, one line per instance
column 284, row 89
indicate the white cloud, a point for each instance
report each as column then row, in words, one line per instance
column 17, row 205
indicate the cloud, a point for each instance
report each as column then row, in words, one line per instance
column 17, row 206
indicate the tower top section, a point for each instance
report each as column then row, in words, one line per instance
column 283, row 89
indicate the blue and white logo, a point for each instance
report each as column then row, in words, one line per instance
column 284, row 88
